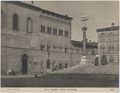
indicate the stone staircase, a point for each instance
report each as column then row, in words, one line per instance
column 112, row 68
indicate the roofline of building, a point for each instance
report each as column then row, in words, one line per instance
column 114, row 28
column 88, row 44
column 29, row 6
column 81, row 41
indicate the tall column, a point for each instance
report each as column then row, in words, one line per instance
column 84, row 58
column 84, row 29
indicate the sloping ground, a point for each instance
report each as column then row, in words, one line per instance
column 90, row 68
column 77, row 76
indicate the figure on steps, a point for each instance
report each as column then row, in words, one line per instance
column 104, row 59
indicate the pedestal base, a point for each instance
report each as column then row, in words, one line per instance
column 84, row 60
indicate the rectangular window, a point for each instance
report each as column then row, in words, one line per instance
column 65, row 50
column 48, row 48
column 60, row 32
column 54, row 31
column 29, row 25
column 54, row 47
column 15, row 22
column 42, row 47
column 48, row 64
column 66, row 33
column 42, row 28
column 49, row 30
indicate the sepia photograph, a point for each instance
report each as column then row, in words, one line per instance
column 60, row 44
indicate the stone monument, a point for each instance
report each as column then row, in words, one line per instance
column 84, row 58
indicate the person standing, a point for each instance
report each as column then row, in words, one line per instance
column 96, row 60
column 104, row 59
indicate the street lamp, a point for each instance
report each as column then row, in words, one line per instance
column 84, row 29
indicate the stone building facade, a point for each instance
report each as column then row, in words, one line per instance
column 108, row 43
column 34, row 40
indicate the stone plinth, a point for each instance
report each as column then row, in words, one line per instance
column 84, row 60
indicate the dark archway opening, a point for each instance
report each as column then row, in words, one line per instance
column 24, row 63
column 48, row 64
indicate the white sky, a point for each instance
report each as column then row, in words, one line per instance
column 101, row 14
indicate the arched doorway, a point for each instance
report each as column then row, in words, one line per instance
column 24, row 63
column 48, row 64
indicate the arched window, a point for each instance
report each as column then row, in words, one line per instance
column 2, row 19
column 110, row 35
column 102, row 48
column 102, row 36
column 29, row 25
column 15, row 22
column 111, row 48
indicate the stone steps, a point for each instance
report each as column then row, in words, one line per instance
column 90, row 68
